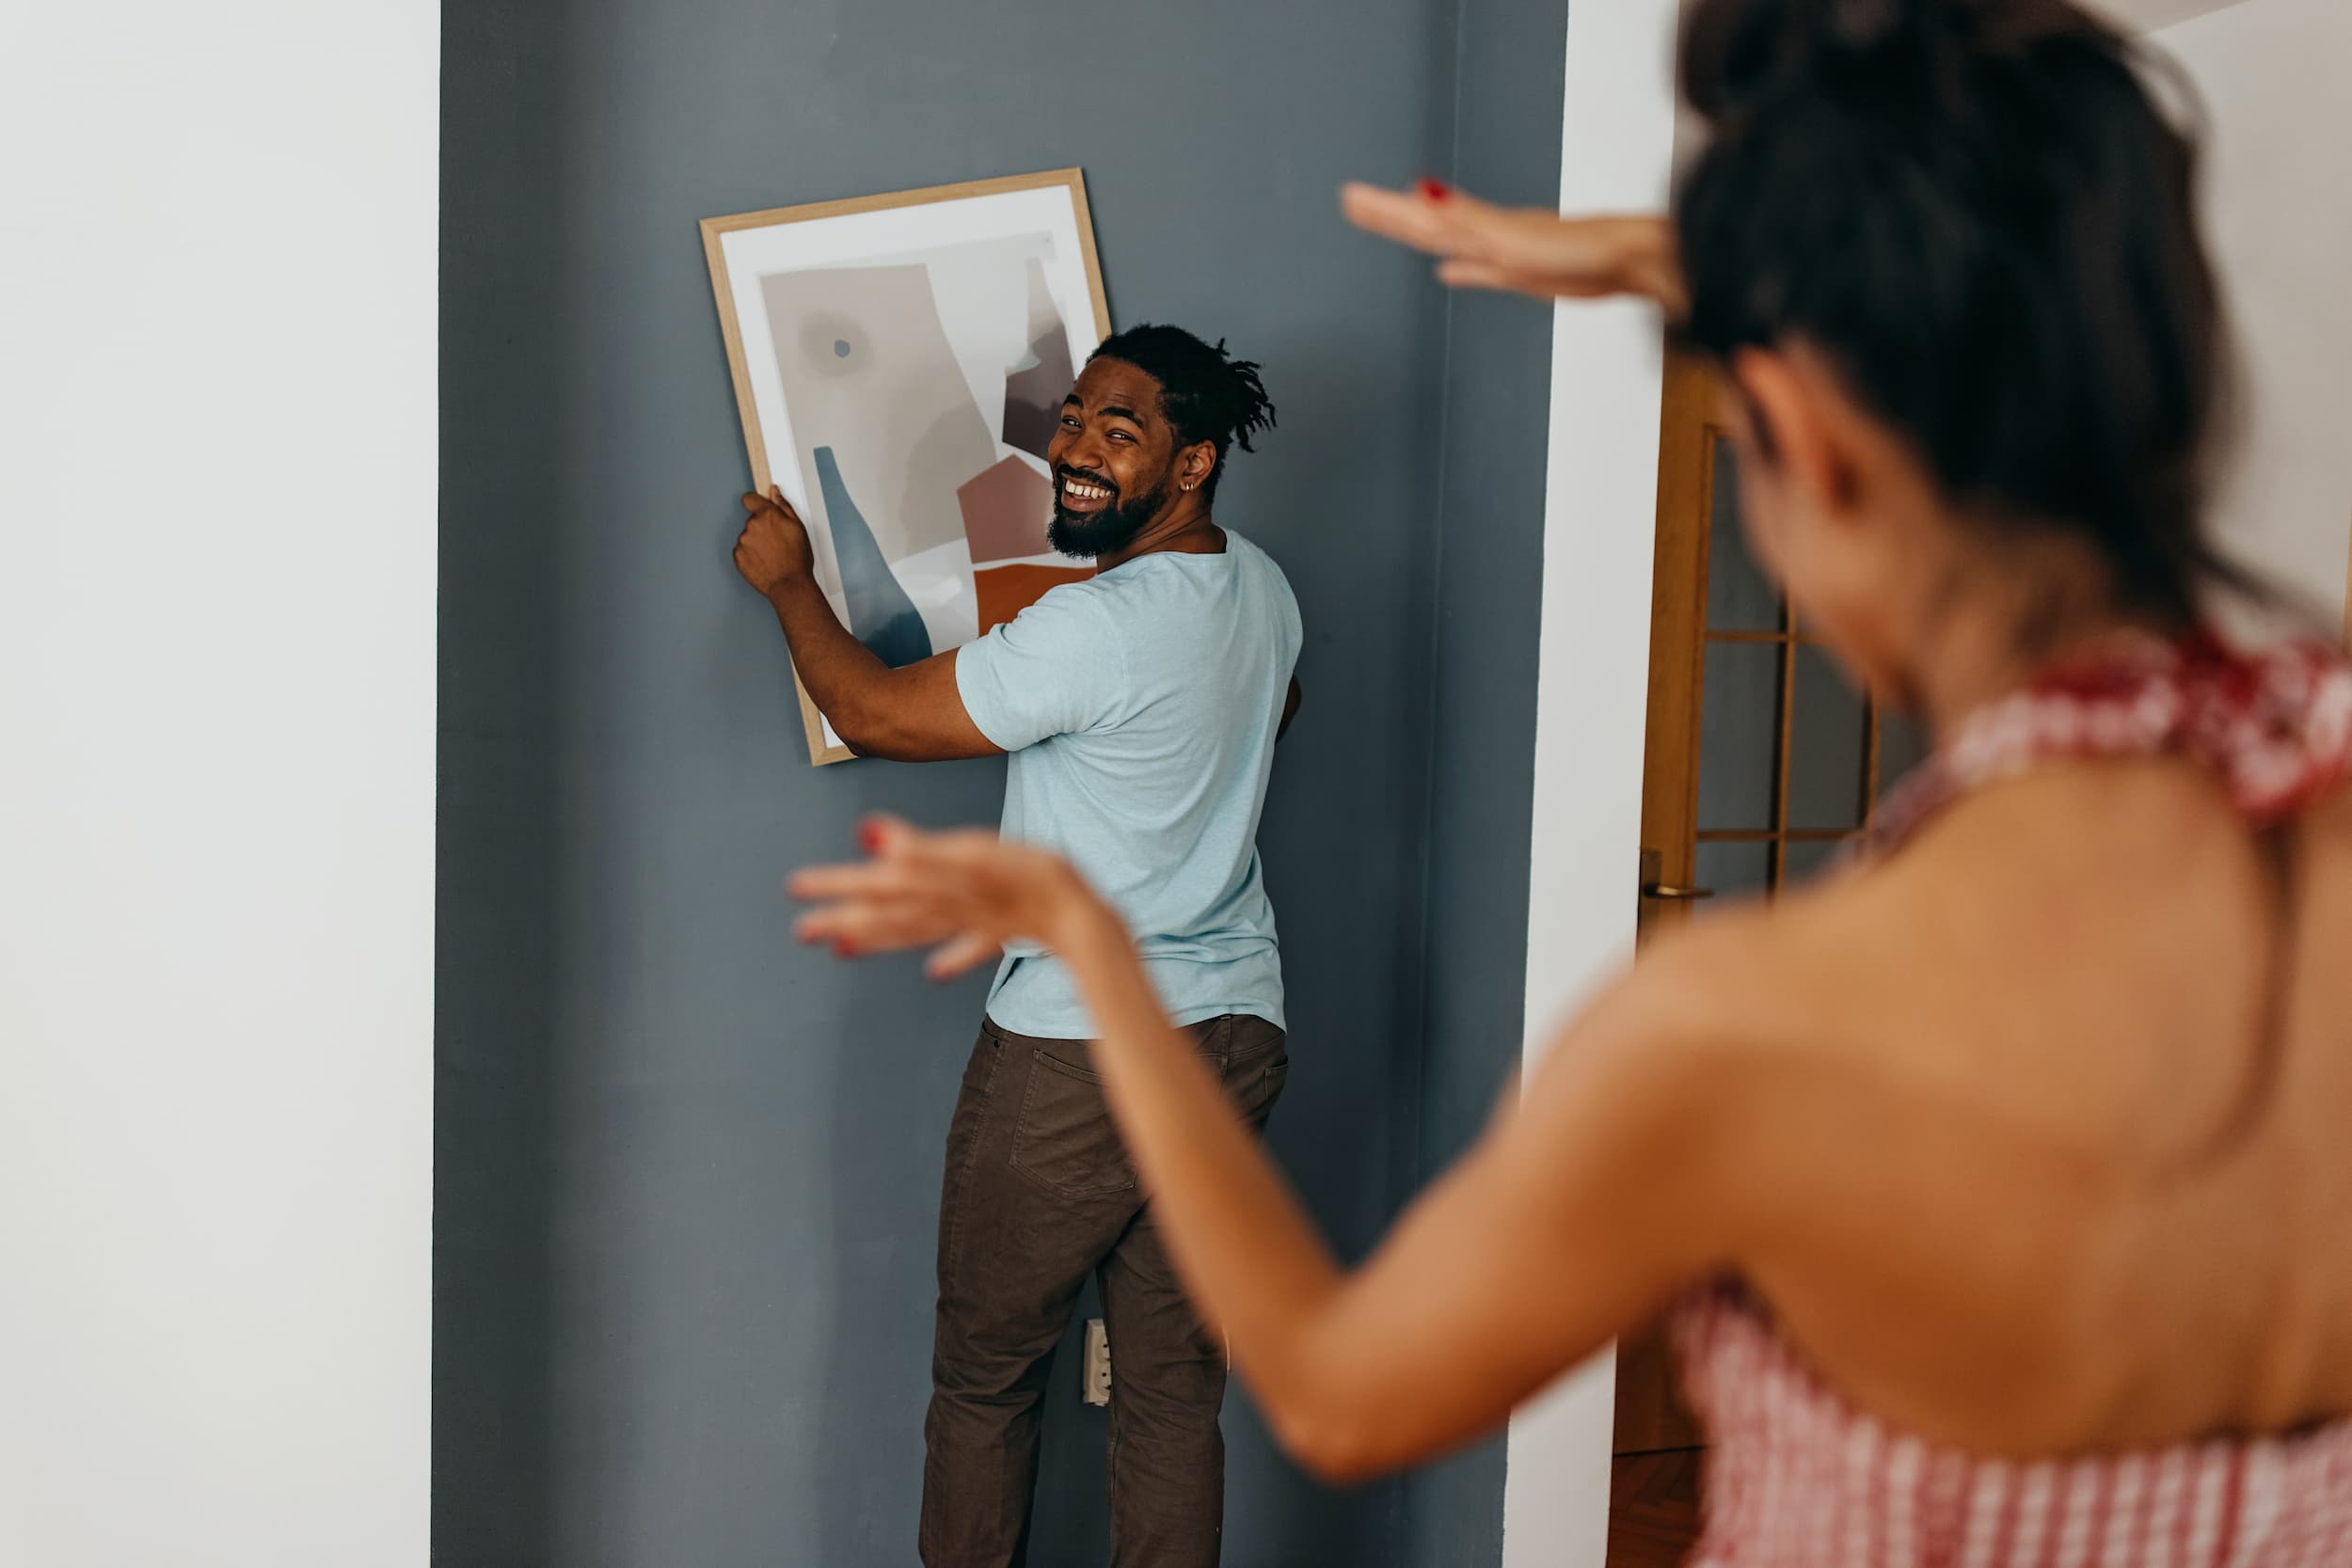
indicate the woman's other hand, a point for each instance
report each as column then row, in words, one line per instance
column 1528, row 251
column 963, row 894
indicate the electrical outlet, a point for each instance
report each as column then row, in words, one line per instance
column 1095, row 1384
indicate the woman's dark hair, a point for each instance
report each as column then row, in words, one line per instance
column 1977, row 210
column 1205, row 394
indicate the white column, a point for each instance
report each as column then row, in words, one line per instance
column 1616, row 155
column 217, row 544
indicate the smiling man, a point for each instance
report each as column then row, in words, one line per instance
column 1141, row 707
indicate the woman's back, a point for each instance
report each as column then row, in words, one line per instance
column 2074, row 1184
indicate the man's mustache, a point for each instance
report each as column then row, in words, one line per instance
column 1084, row 477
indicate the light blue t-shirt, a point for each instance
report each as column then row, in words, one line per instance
column 1140, row 707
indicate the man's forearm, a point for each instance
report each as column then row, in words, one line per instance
column 841, row 674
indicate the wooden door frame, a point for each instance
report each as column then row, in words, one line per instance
column 1690, row 410
column 1648, row 1416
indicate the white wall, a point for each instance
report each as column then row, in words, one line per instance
column 2146, row 16
column 2273, row 74
column 1592, row 686
column 216, row 771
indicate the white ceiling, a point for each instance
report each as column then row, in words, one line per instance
column 2146, row 16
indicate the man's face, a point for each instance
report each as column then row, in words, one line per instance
column 1114, row 461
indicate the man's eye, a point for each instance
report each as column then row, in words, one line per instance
column 1070, row 422
column 1121, row 436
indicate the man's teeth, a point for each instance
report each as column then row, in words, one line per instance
column 1078, row 490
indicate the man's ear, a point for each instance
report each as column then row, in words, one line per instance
column 1195, row 464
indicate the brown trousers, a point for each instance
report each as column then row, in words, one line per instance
column 1039, row 1193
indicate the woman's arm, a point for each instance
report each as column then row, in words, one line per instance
column 1579, row 1212
column 1574, row 1217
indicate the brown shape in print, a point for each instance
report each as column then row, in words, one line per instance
column 1006, row 511
column 1005, row 592
column 1034, row 391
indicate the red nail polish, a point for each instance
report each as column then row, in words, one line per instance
column 870, row 836
column 1435, row 190
column 845, row 949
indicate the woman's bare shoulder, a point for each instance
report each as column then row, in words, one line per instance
column 2029, row 955
column 1753, row 1017
column 2054, row 959
column 1921, row 988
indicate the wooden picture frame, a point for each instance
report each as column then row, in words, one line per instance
column 922, row 287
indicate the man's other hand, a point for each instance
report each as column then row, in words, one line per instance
column 774, row 548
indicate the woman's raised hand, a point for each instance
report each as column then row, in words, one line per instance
column 1528, row 251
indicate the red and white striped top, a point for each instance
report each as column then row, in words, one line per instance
column 1798, row 1478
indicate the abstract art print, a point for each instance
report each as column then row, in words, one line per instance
column 900, row 365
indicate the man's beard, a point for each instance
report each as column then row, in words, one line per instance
column 1084, row 536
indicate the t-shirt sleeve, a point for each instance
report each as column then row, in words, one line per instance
column 1055, row 668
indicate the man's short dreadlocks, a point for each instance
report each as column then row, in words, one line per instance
column 1204, row 393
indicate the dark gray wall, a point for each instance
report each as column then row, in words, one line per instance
column 687, row 1173
column 1487, row 588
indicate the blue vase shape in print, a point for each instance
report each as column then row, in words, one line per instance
column 881, row 614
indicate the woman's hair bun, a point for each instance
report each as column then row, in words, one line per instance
column 1739, row 54
column 1981, row 213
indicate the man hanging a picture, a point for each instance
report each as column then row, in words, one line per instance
column 1140, row 707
